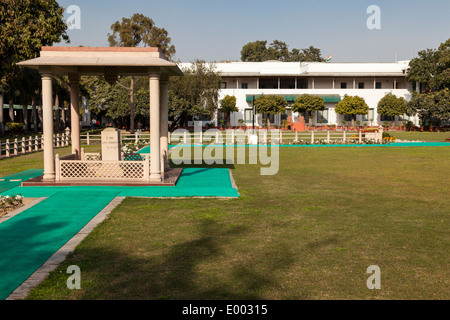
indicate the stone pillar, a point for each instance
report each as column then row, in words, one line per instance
column 74, row 80
column 164, row 122
column 155, row 150
column 47, row 106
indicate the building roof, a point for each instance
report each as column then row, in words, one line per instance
column 316, row 69
column 94, row 60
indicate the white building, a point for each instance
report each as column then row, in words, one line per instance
column 331, row 81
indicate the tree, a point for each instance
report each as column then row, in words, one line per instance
column 431, row 68
column 444, row 64
column 26, row 26
column 280, row 51
column 308, row 104
column 352, row 105
column 255, row 52
column 258, row 51
column 194, row 94
column 391, row 105
column 135, row 31
column 140, row 30
column 270, row 104
column 227, row 106
column 310, row 54
column 432, row 108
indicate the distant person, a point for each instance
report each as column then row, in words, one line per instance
column 93, row 122
column 139, row 128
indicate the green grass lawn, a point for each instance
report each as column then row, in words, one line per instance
column 421, row 136
column 309, row 232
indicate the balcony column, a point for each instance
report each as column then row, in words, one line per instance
column 155, row 146
column 164, row 122
column 74, row 80
column 47, row 117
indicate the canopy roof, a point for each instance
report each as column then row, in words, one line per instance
column 96, row 60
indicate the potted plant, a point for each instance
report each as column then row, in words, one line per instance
column 221, row 123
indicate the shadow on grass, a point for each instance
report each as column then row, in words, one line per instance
column 193, row 269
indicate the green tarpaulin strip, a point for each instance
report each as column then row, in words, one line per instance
column 30, row 238
column 15, row 180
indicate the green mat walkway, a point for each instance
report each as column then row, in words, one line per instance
column 15, row 180
column 30, row 238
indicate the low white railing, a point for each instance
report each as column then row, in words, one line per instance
column 244, row 136
column 10, row 148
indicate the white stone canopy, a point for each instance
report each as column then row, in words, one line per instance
column 111, row 62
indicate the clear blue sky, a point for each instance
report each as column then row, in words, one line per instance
column 216, row 30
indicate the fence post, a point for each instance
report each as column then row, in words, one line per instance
column 58, row 140
column 296, row 136
column 312, row 137
column 217, row 137
column 136, row 138
column 345, row 136
column 7, row 149
column 82, row 155
column 23, row 145
column 42, row 142
column 360, row 136
column 67, row 132
column 30, row 144
column 16, row 146
column 281, row 137
column 36, row 143
column 57, row 168
column 185, row 138
column 87, row 139
column 328, row 136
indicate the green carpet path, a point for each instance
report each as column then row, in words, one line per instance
column 30, row 238
column 15, row 180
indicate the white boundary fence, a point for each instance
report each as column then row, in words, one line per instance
column 10, row 148
column 242, row 137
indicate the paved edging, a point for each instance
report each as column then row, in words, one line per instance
column 58, row 257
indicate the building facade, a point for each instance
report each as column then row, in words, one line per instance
column 331, row 81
